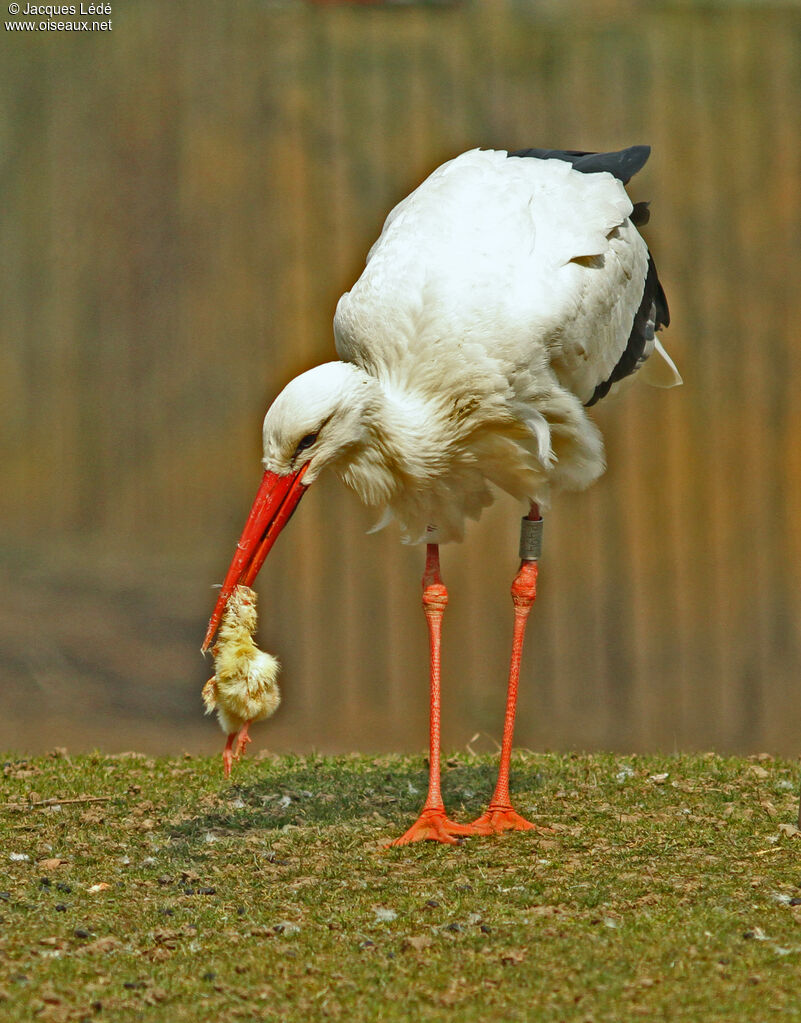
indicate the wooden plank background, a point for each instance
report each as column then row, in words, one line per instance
column 183, row 202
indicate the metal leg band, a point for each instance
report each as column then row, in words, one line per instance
column 530, row 539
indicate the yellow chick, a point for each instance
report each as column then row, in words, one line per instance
column 244, row 687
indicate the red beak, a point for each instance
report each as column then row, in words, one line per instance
column 276, row 499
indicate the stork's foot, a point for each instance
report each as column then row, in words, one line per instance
column 434, row 826
column 504, row 818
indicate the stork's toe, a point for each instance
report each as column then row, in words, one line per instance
column 434, row 826
column 504, row 818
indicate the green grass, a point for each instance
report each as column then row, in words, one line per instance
column 664, row 893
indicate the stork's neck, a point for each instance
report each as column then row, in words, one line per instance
column 408, row 440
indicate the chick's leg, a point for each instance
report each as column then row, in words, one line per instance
column 242, row 740
column 235, row 746
column 228, row 754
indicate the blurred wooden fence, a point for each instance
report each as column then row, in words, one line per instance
column 183, row 202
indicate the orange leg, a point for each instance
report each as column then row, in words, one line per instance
column 432, row 823
column 235, row 746
column 242, row 740
column 228, row 754
column 500, row 815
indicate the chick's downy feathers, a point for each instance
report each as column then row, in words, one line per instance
column 245, row 684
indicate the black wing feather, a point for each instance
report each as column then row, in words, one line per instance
column 652, row 315
column 623, row 164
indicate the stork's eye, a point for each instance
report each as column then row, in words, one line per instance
column 306, row 442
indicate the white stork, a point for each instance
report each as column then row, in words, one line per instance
column 505, row 295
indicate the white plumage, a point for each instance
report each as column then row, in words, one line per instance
column 504, row 295
column 499, row 295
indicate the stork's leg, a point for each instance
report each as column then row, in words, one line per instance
column 432, row 822
column 500, row 815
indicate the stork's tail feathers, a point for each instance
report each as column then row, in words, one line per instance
column 660, row 370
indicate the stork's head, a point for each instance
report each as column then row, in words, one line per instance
column 320, row 418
